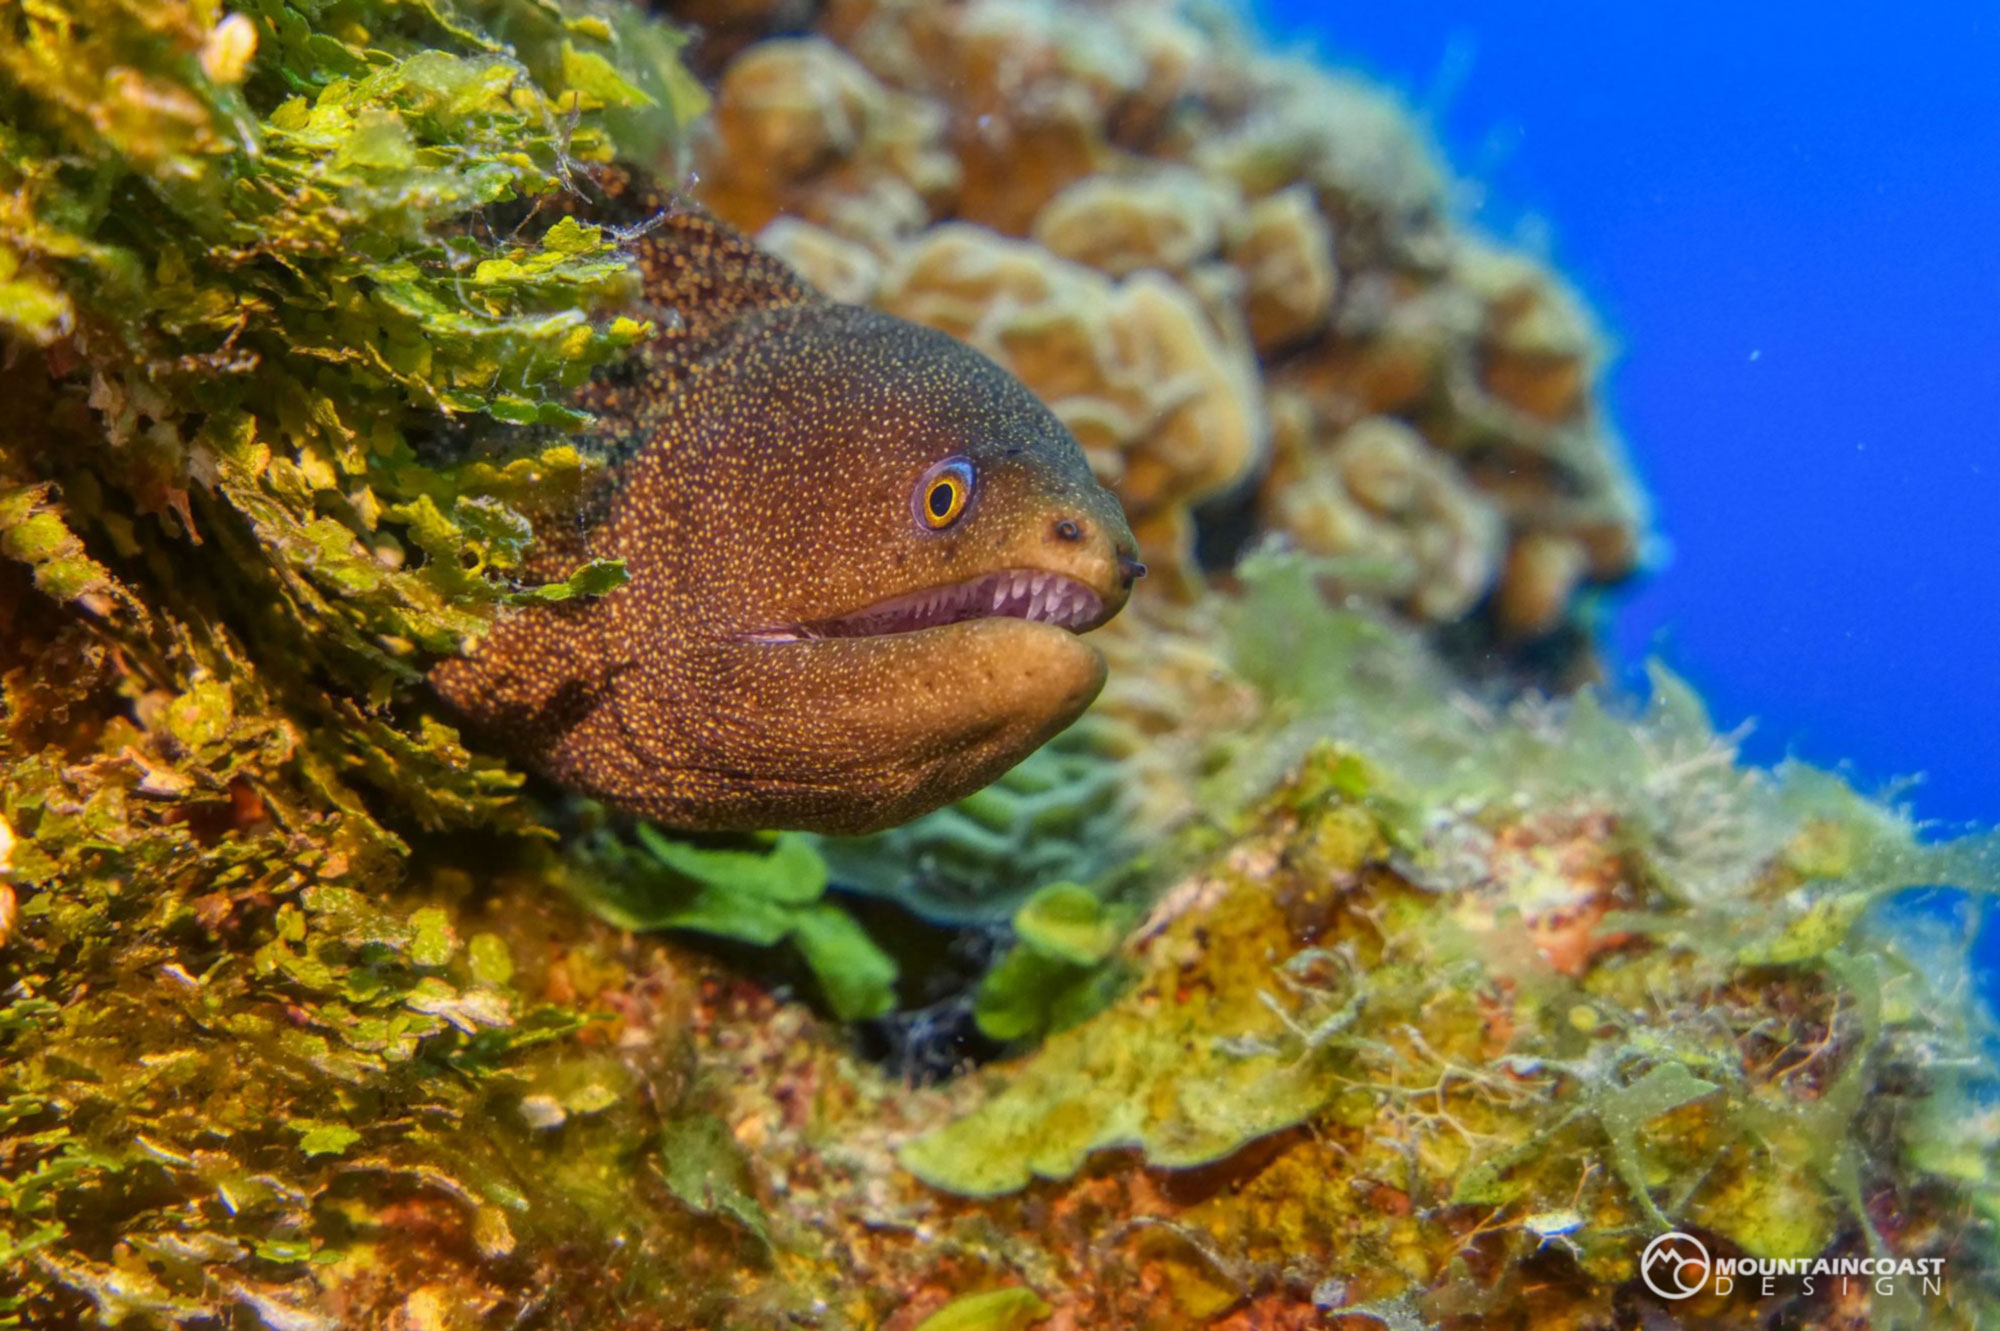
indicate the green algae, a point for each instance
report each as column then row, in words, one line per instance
column 704, row 1169
column 1055, row 975
column 996, row 1310
column 274, row 295
column 244, row 1077
column 768, row 893
column 32, row 532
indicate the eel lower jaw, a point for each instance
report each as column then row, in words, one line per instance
column 1035, row 595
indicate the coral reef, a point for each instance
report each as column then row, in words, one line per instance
column 805, row 131
column 1444, row 1030
column 1450, row 1023
column 1222, row 268
column 1333, row 993
column 1405, row 521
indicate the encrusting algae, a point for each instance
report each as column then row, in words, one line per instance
column 1328, row 989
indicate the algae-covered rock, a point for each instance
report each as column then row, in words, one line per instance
column 254, row 1070
column 1449, row 1027
column 272, row 304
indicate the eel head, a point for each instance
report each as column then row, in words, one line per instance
column 897, row 556
column 861, row 557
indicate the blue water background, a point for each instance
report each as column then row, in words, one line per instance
column 1788, row 218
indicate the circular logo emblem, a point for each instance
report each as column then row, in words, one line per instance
column 1674, row 1265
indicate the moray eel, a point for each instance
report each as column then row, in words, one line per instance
column 859, row 557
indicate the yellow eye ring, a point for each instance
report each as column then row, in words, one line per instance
column 943, row 493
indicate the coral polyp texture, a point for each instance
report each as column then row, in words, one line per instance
column 1224, row 269
column 1318, row 986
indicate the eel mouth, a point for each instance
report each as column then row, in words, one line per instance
column 1036, row 595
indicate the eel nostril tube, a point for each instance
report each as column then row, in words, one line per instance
column 1131, row 568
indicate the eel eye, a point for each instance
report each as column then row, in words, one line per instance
column 943, row 493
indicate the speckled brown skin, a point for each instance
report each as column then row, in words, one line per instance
column 780, row 438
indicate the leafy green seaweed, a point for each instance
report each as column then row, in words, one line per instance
column 764, row 895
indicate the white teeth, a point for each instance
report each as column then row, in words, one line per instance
column 1047, row 598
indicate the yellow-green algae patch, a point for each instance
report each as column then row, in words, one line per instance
column 1188, row 1065
column 996, row 1310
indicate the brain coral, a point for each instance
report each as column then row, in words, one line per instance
column 1186, row 244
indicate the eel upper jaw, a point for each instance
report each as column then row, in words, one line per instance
column 1035, row 595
